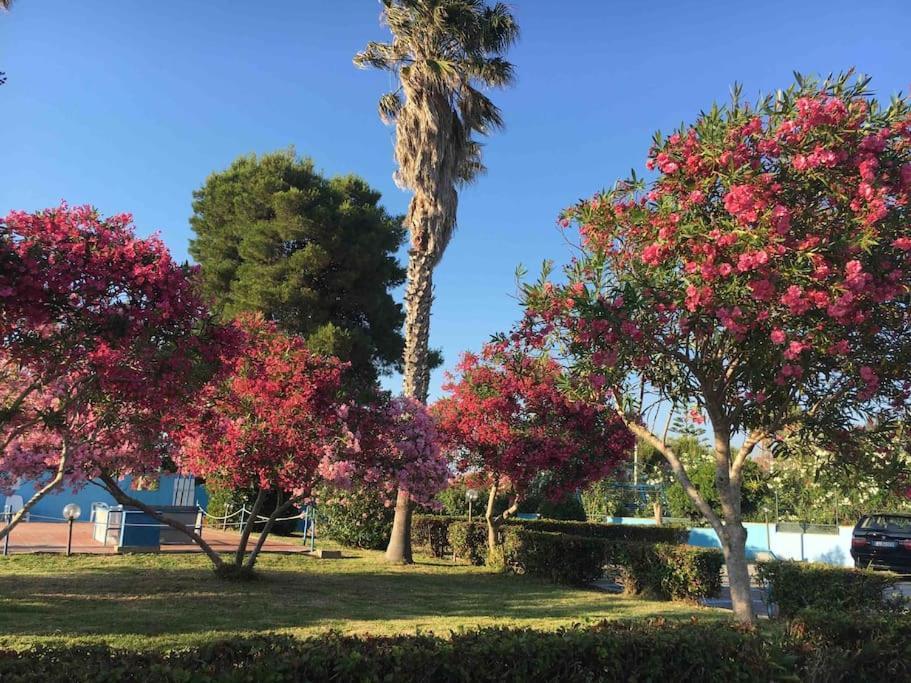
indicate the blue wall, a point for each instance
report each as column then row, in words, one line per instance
column 834, row 549
column 52, row 504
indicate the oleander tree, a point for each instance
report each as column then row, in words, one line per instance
column 100, row 333
column 266, row 424
column 761, row 279
column 508, row 418
column 278, row 421
column 394, row 446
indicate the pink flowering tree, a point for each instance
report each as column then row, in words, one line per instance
column 100, row 332
column 762, row 278
column 509, row 418
column 394, row 446
column 269, row 424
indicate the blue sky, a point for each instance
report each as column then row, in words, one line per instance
column 129, row 105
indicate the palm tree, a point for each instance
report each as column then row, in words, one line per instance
column 442, row 53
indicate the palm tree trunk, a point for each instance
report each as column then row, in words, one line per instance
column 418, row 300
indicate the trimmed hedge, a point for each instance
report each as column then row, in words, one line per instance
column 608, row 652
column 852, row 646
column 431, row 534
column 795, row 586
column 557, row 557
column 665, row 571
column 608, row 532
column 468, row 541
column 815, row 646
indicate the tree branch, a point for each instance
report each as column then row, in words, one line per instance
column 672, row 459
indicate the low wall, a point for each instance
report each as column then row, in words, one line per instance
column 834, row 548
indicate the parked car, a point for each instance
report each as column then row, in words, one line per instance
column 883, row 541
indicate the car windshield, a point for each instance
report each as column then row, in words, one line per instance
column 899, row 523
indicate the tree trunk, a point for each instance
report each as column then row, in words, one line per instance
column 492, row 525
column 279, row 509
column 399, row 549
column 733, row 545
column 248, row 528
column 418, row 300
column 733, row 535
column 124, row 499
column 40, row 493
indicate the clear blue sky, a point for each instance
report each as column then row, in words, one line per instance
column 129, row 105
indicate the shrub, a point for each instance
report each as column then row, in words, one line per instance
column 665, row 571
column 610, row 651
column 846, row 646
column 796, row 586
column 431, row 533
column 559, row 558
column 608, row 532
column 469, row 541
column 356, row 518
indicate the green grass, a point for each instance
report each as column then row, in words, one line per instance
column 161, row 601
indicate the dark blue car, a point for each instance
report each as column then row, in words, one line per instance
column 883, row 541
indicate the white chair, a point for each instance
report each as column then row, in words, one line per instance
column 15, row 503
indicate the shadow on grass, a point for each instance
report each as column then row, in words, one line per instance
column 155, row 601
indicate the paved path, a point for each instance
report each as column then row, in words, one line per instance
column 50, row 537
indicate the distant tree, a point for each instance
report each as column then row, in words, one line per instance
column 443, row 54
column 506, row 417
column 316, row 256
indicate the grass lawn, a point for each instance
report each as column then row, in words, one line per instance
column 159, row 601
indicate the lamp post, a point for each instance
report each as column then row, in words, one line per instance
column 71, row 513
column 471, row 495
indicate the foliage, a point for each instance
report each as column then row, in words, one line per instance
column 665, row 571
column 507, row 419
column 761, row 279
column 431, row 533
column 358, row 518
column 100, row 334
column 468, row 541
column 797, row 586
column 852, row 646
column 395, row 447
column 608, row 651
column 609, row 532
column 756, row 493
column 316, row 256
column 558, row 557
column 269, row 424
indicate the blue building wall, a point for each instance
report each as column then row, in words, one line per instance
column 51, row 506
column 834, row 549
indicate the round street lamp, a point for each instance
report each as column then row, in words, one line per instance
column 71, row 513
column 471, row 495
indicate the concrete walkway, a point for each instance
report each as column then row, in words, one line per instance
column 50, row 537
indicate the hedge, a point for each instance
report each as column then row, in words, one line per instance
column 468, row 541
column 795, row 586
column 813, row 647
column 558, row 557
column 852, row 646
column 608, row 532
column 666, row 571
column 609, row 652
column 431, row 533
